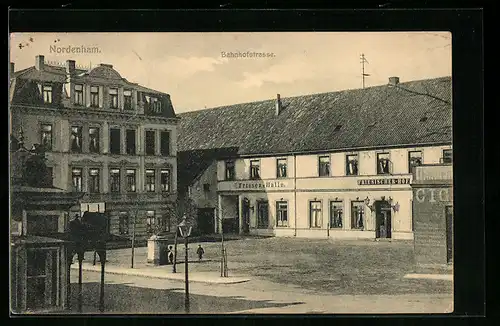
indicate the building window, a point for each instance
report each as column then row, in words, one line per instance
column 154, row 104
column 130, row 142
column 127, row 100
column 324, row 166
column 165, row 143
column 165, row 180
column 254, row 169
column 281, row 167
column 79, row 94
column 414, row 159
column 352, row 164
column 94, row 140
column 315, row 218
column 383, row 163
column 94, row 96
column 47, row 94
column 114, row 141
column 131, row 180
column 113, row 98
column 447, row 156
column 206, row 187
column 336, row 214
column 123, row 223
column 114, row 179
column 76, row 176
column 150, row 142
column 230, row 170
column 165, row 223
column 281, row 213
column 357, row 214
column 94, row 181
column 46, row 137
column 150, row 180
column 150, row 222
column 76, row 139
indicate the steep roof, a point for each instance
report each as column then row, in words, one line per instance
column 410, row 113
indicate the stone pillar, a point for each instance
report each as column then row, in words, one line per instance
column 105, row 138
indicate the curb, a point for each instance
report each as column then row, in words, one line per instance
column 220, row 280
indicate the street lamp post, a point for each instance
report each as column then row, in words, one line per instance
column 185, row 231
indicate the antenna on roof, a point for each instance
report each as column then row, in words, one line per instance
column 363, row 75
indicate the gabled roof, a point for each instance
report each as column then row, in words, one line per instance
column 410, row 113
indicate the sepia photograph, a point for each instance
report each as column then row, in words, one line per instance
column 231, row 173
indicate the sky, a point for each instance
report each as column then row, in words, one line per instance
column 193, row 69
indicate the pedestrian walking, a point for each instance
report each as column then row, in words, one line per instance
column 200, row 252
column 170, row 255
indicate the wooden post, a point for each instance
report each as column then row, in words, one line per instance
column 102, row 256
column 133, row 240
column 186, row 300
column 80, row 259
column 174, row 268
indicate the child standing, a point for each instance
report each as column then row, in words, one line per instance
column 200, row 252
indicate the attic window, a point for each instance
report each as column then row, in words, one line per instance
column 337, row 127
column 423, row 119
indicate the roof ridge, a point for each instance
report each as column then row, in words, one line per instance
column 310, row 94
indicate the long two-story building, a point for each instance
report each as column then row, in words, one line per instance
column 109, row 138
column 336, row 165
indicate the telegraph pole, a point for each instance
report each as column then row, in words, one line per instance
column 363, row 75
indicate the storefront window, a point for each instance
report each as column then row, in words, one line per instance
column 281, row 213
column 357, row 214
column 315, row 218
column 336, row 214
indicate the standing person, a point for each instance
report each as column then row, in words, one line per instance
column 170, row 255
column 200, row 252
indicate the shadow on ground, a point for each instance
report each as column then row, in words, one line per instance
column 123, row 299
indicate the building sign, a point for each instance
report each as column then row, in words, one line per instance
column 259, row 185
column 255, row 185
column 433, row 195
column 384, row 181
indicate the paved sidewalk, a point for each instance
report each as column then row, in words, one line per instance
column 445, row 277
column 165, row 272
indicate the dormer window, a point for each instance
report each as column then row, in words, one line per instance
column 78, row 94
column 47, row 94
column 127, row 100
column 154, row 104
column 94, row 96
column 113, row 98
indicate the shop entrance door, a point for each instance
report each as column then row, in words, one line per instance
column 262, row 215
column 383, row 219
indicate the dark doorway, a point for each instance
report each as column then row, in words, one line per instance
column 206, row 220
column 245, row 210
column 383, row 219
column 262, row 215
column 449, row 234
column 231, row 220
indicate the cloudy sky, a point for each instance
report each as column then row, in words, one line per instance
column 192, row 69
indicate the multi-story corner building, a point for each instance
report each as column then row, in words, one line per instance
column 109, row 138
column 336, row 165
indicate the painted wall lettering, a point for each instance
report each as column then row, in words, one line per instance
column 384, row 181
column 432, row 195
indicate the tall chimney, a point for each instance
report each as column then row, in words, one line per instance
column 11, row 71
column 393, row 81
column 278, row 104
column 39, row 62
column 70, row 66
